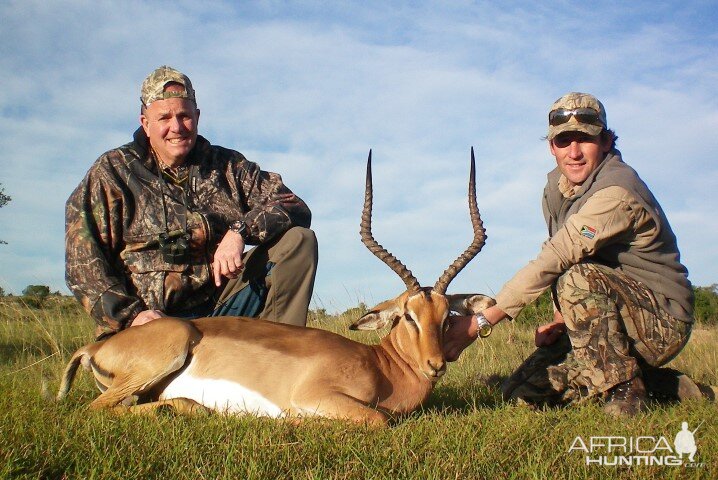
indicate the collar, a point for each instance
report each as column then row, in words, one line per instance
column 568, row 191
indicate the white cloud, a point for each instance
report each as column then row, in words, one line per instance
column 307, row 89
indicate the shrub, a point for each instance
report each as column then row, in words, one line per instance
column 38, row 291
column 34, row 295
column 706, row 309
column 538, row 312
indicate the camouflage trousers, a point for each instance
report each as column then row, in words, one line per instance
column 614, row 329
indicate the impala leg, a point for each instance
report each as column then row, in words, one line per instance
column 129, row 365
column 178, row 405
column 340, row 406
column 121, row 388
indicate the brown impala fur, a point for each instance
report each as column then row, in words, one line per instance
column 303, row 371
column 244, row 365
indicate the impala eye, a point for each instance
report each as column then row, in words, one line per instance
column 413, row 322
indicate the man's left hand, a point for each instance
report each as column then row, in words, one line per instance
column 228, row 257
column 463, row 330
column 460, row 334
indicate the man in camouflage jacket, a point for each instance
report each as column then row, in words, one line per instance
column 623, row 302
column 158, row 226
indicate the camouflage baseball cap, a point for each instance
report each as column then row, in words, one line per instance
column 569, row 114
column 153, row 88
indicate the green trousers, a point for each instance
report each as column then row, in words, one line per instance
column 277, row 281
column 614, row 330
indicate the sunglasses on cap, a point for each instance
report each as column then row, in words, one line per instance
column 583, row 115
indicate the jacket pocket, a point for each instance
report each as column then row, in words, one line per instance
column 146, row 261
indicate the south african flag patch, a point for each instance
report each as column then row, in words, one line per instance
column 588, row 232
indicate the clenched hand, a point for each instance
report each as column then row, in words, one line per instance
column 228, row 257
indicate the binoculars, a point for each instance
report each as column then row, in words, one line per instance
column 175, row 247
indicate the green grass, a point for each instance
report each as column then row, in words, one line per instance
column 465, row 430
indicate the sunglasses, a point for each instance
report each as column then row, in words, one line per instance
column 563, row 140
column 583, row 115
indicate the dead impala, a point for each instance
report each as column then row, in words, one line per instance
column 243, row 365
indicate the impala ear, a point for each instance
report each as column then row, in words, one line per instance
column 377, row 317
column 469, row 303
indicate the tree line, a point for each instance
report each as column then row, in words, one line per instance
column 706, row 306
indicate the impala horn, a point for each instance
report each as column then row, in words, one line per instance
column 479, row 236
column 412, row 284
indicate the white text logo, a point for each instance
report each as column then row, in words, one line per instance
column 642, row 450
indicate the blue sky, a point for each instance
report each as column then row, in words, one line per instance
column 306, row 88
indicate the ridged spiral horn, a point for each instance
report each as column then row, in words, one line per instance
column 412, row 284
column 479, row 236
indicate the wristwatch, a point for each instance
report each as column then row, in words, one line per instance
column 483, row 326
column 240, row 228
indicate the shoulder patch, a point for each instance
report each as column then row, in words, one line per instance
column 588, row 232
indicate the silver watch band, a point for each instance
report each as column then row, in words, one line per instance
column 483, row 326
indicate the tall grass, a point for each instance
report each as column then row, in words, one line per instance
column 465, row 430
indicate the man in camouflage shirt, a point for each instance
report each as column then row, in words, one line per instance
column 159, row 226
column 623, row 302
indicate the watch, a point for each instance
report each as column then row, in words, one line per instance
column 483, row 326
column 240, row 228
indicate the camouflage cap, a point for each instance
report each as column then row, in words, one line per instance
column 153, row 88
column 572, row 101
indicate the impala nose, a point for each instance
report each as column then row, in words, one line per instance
column 437, row 367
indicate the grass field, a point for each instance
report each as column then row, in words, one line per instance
column 465, row 430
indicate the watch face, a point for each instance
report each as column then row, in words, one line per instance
column 484, row 327
column 238, row 227
column 485, row 331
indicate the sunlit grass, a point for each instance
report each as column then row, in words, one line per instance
column 464, row 431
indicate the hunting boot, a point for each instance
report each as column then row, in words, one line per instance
column 668, row 384
column 626, row 399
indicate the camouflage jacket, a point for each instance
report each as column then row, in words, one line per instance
column 114, row 218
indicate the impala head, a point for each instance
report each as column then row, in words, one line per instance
column 418, row 319
column 419, row 315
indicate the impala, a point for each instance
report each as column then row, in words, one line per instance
column 243, row 365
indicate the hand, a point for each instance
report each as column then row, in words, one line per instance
column 228, row 257
column 461, row 333
column 146, row 316
column 549, row 333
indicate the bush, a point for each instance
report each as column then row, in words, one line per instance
column 538, row 312
column 706, row 310
column 38, row 291
column 354, row 313
column 34, row 295
column 32, row 301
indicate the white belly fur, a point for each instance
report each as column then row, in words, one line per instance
column 221, row 395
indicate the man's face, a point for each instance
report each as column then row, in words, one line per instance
column 171, row 125
column 578, row 154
